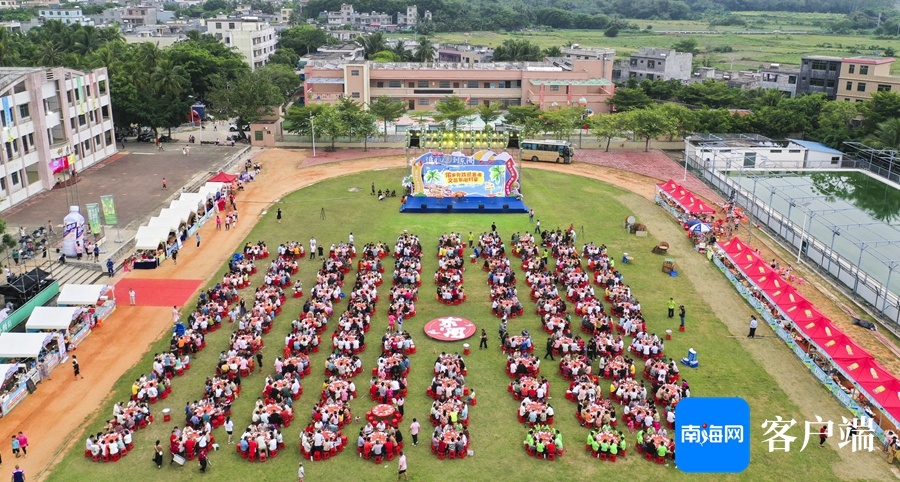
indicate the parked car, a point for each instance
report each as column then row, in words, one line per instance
column 234, row 127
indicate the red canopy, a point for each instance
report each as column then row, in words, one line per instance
column 822, row 328
column 868, row 371
column 771, row 282
column 699, row 207
column 754, row 268
column 784, row 296
column 841, row 348
column 669, row 186
column 802, row 312
column 733, row 246
column 223, row 177
column 885, row 394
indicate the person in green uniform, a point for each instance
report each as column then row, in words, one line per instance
column 539, row 447
column 671, row 306
column 661, row 451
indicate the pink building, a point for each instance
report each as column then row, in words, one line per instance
column 555, row 82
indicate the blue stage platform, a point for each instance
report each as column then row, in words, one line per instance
column 486, row 205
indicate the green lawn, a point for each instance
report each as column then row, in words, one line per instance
column 727, row 370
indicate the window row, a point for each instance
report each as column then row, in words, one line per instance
column 447, row 84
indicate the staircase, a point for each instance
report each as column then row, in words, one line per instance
column 77, row 273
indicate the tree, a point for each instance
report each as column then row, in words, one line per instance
column 525, row 117
column 683, row 120
column 452, row 109
column 280, row 76
column 553, row 51
column 607, row 126
column 688, row 45
column 371, row 44
column 386, row 56
column 387, row 110
column 424, row 50
column 561, row 121
column 366, row 127
column 835, row 123
column 611, row 32
column 489, row 113
column 647, row 124
column 886, row 136
column 349, row 111
column 297, row 118
column 285, row 57
column 517, row 50
column 400, row 50
column 881, row 107
column 248, row 98
column 302, row 39
column 626, row 99
column 330, row 124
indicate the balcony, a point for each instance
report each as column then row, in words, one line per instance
column 514, row 92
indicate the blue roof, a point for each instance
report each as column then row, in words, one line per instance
column 816, row 146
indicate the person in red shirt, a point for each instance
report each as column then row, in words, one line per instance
column 252, row 447
column 823, row 435
column 189, row 445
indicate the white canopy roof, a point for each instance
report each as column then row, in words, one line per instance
column 51, row 318
column 186, row 205
column 149, row 237
column 176, row 212
column 6, row 369
column 192, row 197
column 158, row 222
column 210, row 188
column 22, row 345
column 72, row 294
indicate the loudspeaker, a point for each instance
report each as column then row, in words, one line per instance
column 424, row 206
column 414, row 139
column 481, row 206
column 506, row 206
column 449, row 206
column 513, row 141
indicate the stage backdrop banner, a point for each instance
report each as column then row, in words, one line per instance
column 484, row 174
column 109, row 209
column 93, row 215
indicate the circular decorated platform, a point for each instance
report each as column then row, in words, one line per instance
column 450, row 328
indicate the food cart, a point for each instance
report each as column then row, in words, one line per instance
column 98, row 300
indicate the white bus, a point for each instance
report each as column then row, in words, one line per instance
column 546, row 150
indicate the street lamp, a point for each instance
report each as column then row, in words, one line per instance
column 835, row 232
column 312, row 124
column 803, row 228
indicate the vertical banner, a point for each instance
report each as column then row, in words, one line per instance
column 93, row 215
column 61, row 342
column 109, row 209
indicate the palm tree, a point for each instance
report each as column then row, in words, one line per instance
column 433, row 177
column 887, row 135
column 194, row 35
column 399, row 48
column 49, row 55
column 168, row 78
column 372, row 43
column 148, row 55
column 424, row 51
column 496, row 173
column 87, row 40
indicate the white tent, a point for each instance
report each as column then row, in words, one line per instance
column 194, row 198
column 149, row 237
column 7, row 369
column 22, row 345
column 178, row 212
column 79, row 295
column 185, row 205
column 211, row 188
column 51, row 318
column 158, row 222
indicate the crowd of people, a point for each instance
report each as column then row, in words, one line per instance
column 451, row 266
column 450, row 409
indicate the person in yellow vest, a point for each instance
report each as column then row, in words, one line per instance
column 671, row 306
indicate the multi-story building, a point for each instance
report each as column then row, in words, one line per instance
column 347, row 16
column 255, row 40
column 653, row 63
column 819, row 74
column 46, row 115
column 139, row 16
column 68, row 16
column 38, row 3
column 410, row 19
column 4, row 4
column 781, row 78
column 466, row 54
column 577, row 52
column 860, row 77
column 421, row 86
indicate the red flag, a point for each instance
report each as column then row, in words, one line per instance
column 468, row 99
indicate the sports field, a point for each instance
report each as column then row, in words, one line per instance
column 762, row 371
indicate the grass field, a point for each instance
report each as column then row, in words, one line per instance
column 749, row 51
column 727, row 370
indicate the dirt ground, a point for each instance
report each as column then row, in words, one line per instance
column 54, row 424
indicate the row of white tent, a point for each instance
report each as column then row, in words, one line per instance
column 71, row 298
column 169, row 219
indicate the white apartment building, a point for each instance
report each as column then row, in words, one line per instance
column 48, row 114
column 254, row 39
column 4, row 4
column 68, row 16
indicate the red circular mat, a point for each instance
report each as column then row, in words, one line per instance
column 450, row 328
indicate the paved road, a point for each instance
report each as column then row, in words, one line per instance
column 134, row 178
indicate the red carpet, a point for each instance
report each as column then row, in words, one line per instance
column 156, row 292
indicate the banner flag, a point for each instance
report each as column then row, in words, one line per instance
column 93, row 215
column 109, row 209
